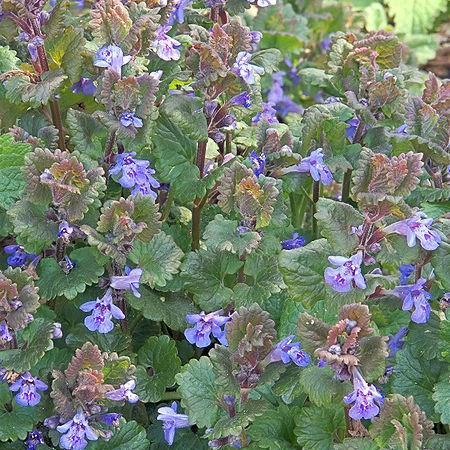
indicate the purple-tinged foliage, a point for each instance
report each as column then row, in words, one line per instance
column 347, row 275
column 365, row 398
column 415, row 297
column 295, row 241
column 171, row 421
column 27, row 387
column 102, row 312
column 418, row 227
column 203, row 326
column 124, row 393
column 288, row 351
column 76, row 433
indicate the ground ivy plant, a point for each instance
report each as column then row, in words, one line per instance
column 224, row 224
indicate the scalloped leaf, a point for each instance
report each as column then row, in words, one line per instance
column 110, row 21
column 197, row 388
column 441, row 396
column 129, row 435
column 53, row 282
column 158, row 364
column 159, row 259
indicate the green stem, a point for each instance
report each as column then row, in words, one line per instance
column 346, row 186
column 316, row 196
column 168, row 205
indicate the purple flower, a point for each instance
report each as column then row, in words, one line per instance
column 367, row 400
column 244, row 69
column 111, row 419
column 347, row 274
column 287, row 351
column 402, row 129
column 417, row 226
column 258, row 163
column 165, row 46
column 111, row 57
column 34, row 439
column 65, row 231
column 242, row 99
column 124, row 393
column 75, row 432
column 134, row 174
column 33, row 45
column 406, row 270
column 57, row 331
column 19, row 257
column 177, row 14
column 5, row 334
column 267, row 114
column 103, row 310
column 85, row 86
column 129, row 119
column 241, row 229
column 129, row 281
column 171, row 421
column 255, row 38
column 352, row 127
column 396, row 342
column 316, row 167
column 204, row 325
column 28, row 387
column 415, row 296
column 325, row 44
column 295, row 241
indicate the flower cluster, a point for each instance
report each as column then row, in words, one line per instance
column 205, row 325
column 347, row 274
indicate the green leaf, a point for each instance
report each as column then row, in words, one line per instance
column 159, row 259
column 158, row 364
column 321, row 386
column 186, row 113
column 289, row 318
column 335, row 221
column 356, row 444
column 53, row 282
column 418, row 17
column 372, row 354
column 317, row 428
column 197, row 388
column 267, row 59
column 422, row 338
column 273, row 429
column 440, row 259
column 8, row 59
column 171, row 308
column 130, row 435
column 417, row 377
column 206, row 276
column 441, row 396
column 33, row 342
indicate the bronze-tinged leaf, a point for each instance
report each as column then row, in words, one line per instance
column 62, row 398
column 90, row 387
column 312, row 332
column 110, row 21
column 240, row 38
column 360, row 314
column 383, row 92
column 220, row 42
column 86, row 357
column 431, row 91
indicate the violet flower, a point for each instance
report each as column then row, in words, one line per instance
column 287, row 351
column 244, row 69
column 111, row 419
column 165, row 46
column 415, row 296
column 85, row 86
column 76, row 432
column 325, row 44
column 295, row 241
column 57, row 331
column 171, row 421
column 129, row 119
column 267, row 114
column 347, row 274
column 352, row 127
column 402, row 129
column 416, row 227
column 129, row 281
column 34, row 439
column 315, row 166
column 103, row 310
column 65, row 231
column 5, row 334
column 204, row 325
column 18, row 256
column 258, row 163
column 242, row 99
column 111, row 57
column 124, row 393
column 367, row 400
column 177, row 14
column 33, row 45
column 406, row 270
column 396, row 342
column 28, row 387
column 283, row 103
column 135, row 174
column 264, row 3
column 255, row 39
